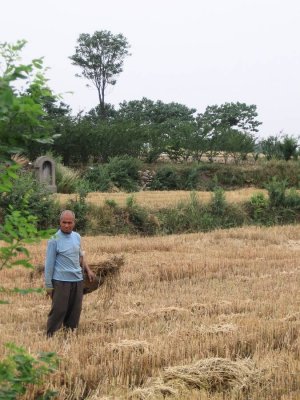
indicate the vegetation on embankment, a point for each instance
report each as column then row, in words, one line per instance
column 191, row 214
column 129, row 174
column 163, row 212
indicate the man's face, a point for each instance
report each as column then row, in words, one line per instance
column 67, row 223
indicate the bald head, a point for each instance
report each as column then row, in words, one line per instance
column 68, row 213
column 67, row 221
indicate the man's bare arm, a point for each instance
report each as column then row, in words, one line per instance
column 87, row 269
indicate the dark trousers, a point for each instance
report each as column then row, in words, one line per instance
column 66, row 306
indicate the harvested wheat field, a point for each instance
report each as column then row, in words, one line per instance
column 200, row 316
column 158, row 199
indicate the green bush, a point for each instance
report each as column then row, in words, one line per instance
column 114, row 220
column 230, row 176
column 140, row 219
column 258, row 206
column 190, row 178
column 67, row 179
column 194, row 214
column 207, row 222
column 292, row 199
column 107, row 219
column 218, row 202
column 172, row 221
column 234, row 215
column 97, row 178
column 276, row 190
column 283, row 170
column 282, row 207
column 188, row 216
column 121, row 172
column 166, row 178
column 111, row 203
column 124, row 172
column 40, row 202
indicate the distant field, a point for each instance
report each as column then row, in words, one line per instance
column 216, row 310
column 159, row 199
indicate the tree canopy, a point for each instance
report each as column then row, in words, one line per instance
column 101, row 57
column 237, row 115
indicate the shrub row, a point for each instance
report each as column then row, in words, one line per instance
column 126, row 174
column 207, row 176
column 281, row 206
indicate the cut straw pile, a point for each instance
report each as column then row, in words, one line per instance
column 157, row 390
column 106, row 272
column 211, row 374
column 215, row 374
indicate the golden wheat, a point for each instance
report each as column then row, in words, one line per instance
column 159, row 199
column 183, row 301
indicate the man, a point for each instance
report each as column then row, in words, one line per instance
column 63, row 275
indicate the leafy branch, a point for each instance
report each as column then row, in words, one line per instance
column 20, row 369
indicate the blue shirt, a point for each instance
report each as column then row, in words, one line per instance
column 62, row 258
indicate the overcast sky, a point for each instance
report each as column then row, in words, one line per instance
column 194, row 52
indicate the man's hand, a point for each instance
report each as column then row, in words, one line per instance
column 91, row 275
column 49, row 292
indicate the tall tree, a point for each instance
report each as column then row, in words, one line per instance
column 101, row 58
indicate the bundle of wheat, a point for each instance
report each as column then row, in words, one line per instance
column 156, row 390
column 207, row 375
column 215, row 374
column 106, row 271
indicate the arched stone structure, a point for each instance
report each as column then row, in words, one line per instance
column 45, row 172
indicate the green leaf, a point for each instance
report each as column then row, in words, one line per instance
column 24, row 263
column 22, row 249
